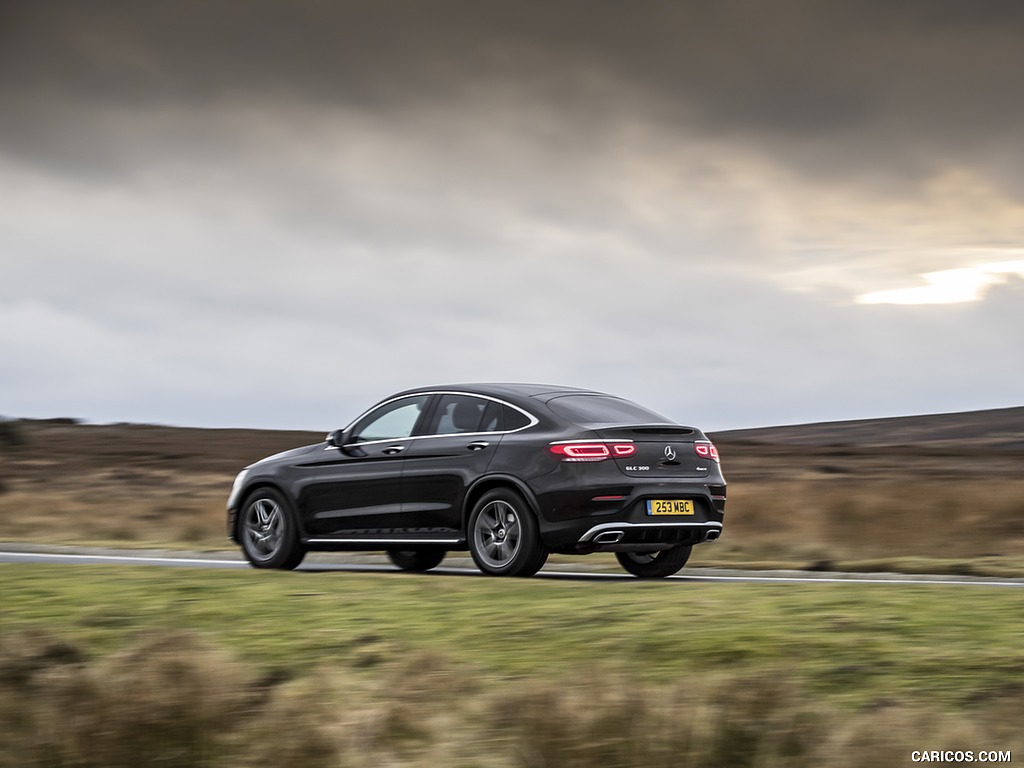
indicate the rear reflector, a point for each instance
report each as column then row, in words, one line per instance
column 584, row 451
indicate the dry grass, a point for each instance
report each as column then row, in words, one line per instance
column 176, row 699
column 843, row 520
column 125, row 484
column 160, row 508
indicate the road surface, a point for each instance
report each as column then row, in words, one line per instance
column 458, row 564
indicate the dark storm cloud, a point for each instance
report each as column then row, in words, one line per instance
column 878, row 87
column 384, row 192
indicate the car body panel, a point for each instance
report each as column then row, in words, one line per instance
column 438, row 472
column 349, row 491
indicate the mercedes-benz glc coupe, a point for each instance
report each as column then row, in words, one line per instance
column 510, row 472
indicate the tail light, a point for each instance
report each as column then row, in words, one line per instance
column 706, row 450
column 584, row 451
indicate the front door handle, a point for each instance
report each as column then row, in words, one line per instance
column 479, row 445
column 391, row 450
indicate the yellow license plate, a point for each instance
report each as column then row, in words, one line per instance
column 669, row 507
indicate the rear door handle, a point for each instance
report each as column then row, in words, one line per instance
column 391, row 450
column 479, row 445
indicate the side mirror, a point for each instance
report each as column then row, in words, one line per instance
column 336, row 438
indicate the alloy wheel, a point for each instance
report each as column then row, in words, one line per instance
column 263, row 527
column 498, row 534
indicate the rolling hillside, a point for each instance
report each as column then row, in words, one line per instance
column 999, row 429
column 946, row 488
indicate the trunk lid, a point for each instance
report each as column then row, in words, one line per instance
column 662, row 450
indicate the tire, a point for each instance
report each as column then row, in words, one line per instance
column 417, row 560
column 268, row 531
column 654, row 565
column 503, row 535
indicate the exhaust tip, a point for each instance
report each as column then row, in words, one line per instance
column 609, row 537
column 712, row 535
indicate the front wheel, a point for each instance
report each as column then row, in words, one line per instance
column 503, row 535
column 654, row 565
column 417, row 560
column 268, row 531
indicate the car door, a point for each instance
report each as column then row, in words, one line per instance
column 355, row 491
column 457, row 445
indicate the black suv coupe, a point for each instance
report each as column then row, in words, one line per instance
column 510, row 472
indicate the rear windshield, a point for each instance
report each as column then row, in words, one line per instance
column 597, row 410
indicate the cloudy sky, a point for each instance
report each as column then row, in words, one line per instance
column 740, row 213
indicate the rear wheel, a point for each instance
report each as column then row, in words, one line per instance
column 503, row 535
column 268, row 532
column 417, row 560
column 654, row 565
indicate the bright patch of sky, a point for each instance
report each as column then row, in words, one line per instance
column 949, row 286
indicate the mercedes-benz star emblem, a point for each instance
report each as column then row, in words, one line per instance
column 669, row 453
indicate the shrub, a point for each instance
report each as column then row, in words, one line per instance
column 619, row 724
column 175, row 699
column 11, row 434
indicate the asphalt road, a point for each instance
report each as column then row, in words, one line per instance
column 460, row 565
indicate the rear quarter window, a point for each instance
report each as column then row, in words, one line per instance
column 513, row 419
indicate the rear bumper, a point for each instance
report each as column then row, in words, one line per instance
column 593, row 512
column 646, row 537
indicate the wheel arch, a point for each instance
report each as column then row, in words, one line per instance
column 490, row 483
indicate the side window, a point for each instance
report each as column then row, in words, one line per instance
column 491, row 421
column 459, row 413
column 390, row 421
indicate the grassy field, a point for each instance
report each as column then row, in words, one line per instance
column 443, row 670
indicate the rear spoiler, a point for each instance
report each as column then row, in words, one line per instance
column 641, row 431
